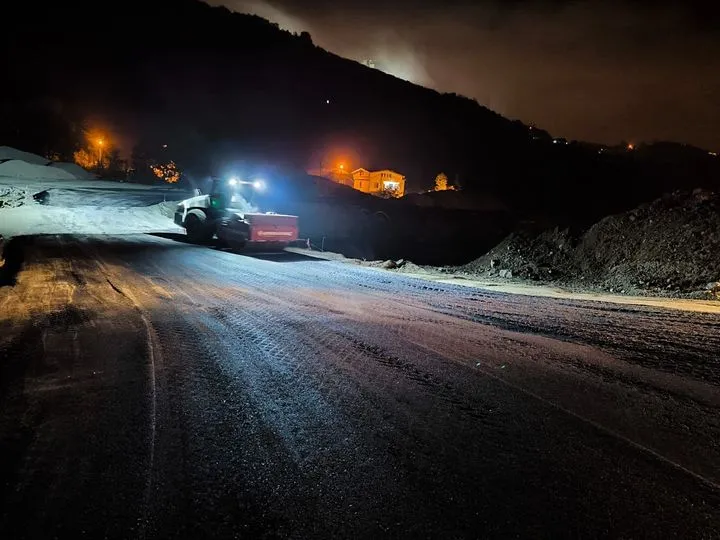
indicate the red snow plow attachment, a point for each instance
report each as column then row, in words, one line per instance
column 272, row 228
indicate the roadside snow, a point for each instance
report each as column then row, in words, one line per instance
column 38, row 219
column 16, row 168
column 546, row 291
column 81, row 205
column 12, row 197
column 324, row 255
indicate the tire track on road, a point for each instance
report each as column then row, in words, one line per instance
column 154, row 353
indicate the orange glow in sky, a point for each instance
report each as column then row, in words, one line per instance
column 97, row 138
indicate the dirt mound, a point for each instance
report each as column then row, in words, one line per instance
column 527, row 254
column 669, row 246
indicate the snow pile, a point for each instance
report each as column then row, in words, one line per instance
column 90, row 207
column 670, row 246
column 39, row 219
column 7, row 153
column 76, row 170
column 18, row 164
column 16, row 168
column 13, row 197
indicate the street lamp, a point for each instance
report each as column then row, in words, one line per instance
column 100, row 143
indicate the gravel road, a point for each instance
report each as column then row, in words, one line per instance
column 154, row 389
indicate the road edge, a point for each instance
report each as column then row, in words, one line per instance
column 534, row 290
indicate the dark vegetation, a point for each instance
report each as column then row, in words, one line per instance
column 225, row 91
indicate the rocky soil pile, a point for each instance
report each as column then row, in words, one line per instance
column 670, row 247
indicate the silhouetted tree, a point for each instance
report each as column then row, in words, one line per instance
column 144, row 156
column 115, row 162
column 441, row 182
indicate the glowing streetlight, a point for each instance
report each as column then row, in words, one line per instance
column 100, row 143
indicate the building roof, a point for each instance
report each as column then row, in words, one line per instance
column 390, row 171
column 363, row 170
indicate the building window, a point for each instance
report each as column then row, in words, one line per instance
column 392, row 186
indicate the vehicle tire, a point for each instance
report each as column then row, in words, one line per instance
column 198, row 231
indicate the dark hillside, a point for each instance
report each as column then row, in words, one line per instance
column 217, row 86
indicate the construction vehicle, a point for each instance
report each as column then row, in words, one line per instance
column 225, row 213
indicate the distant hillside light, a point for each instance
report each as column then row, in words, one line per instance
column 327, row 101
column 167, row 172
column 631, row 146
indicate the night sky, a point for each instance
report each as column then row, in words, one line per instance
column 595, row 70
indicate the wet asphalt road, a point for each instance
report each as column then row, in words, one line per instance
column 153, row 389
